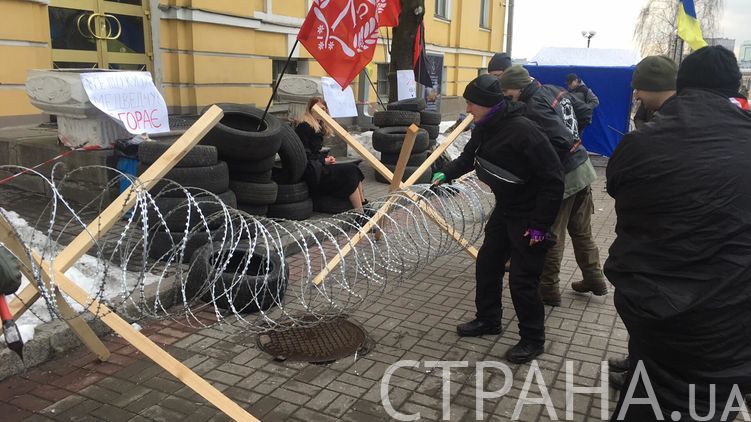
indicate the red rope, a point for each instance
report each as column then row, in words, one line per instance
column 55, row 158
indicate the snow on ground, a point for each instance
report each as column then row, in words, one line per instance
column 99, row 280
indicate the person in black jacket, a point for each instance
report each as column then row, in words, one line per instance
column 10, row 275
column 498, row 64
column 524, row 211
column 322, row 174
column 578, row 89
column 653, row 82
column 561, row 117
column 681, row 259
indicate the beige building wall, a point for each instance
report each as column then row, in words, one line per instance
column 207, row 51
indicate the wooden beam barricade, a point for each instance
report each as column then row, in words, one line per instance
column 127, row 332
column 31, row 293
column 378, row 166
column 401, row 163
column 55, row 270
column 81, row 244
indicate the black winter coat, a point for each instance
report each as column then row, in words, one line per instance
column 585, row 95
column 562, row 117
column 681, row 261
column 516, row 144
column 312, row 142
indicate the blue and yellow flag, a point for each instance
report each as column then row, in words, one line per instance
column 689, row 27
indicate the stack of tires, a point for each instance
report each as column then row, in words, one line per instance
column 293, row 198
column 388, row 138
column 206, row 179
column 251, row 280
column 431, row 122
column 249, row 147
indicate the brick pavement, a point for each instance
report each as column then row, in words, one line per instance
column 415, row 320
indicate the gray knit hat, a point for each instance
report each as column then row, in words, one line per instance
column 655, row 73
column 515, row 77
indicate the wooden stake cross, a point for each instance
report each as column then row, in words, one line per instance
column 55, row 271
column 395, row 183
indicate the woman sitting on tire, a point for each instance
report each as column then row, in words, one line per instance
column 322, row 174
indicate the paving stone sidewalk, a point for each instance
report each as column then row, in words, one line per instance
column 413, row 321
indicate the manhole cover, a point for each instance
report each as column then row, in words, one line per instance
column 323, row 342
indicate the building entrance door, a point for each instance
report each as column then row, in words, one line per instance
column 100, row 34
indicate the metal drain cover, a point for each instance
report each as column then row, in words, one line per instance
column 319, row 343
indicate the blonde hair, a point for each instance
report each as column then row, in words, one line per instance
column 310, row 119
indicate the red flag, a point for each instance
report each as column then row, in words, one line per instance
column 342, row 34
column 388, row 12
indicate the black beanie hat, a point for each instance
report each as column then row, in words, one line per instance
column 500, row 61
column 713, row 67
column 484, row 90
column 655, row 73
column 571, row 77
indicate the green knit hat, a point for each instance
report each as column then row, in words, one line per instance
column 655, row 73
column 515, row 77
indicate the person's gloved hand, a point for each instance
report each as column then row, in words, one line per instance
column 535, row 236
column 438, row 178
column 10, row 275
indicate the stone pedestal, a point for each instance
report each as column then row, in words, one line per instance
column 61, row 93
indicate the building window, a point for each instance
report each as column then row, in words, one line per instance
column 442, row 8
column 383, row 80
column 278, row 65
column 485, row 14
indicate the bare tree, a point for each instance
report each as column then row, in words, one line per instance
column 656, row 27
column 402, row 48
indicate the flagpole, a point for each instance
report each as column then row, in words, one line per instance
column 276, row 87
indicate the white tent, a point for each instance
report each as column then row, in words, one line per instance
column 596, row 57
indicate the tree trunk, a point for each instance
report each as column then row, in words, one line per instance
column 403, row 44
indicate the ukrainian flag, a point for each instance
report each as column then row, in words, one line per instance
column 689, row 27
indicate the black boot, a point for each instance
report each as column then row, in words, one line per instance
column 478, row 327
column 524, row 352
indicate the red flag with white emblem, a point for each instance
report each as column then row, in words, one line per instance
column 342, row 34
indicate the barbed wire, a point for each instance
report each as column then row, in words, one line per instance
column 200, row 256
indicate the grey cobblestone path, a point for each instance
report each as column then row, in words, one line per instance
column 413, row 321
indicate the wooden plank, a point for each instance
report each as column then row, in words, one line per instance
column 354, row 240
column 401, row 163
column 23, row 300
column 81, row 244
column 358, row 147
column 146, row 346
column 31, row 293
column 440, row 150
column 342, row 133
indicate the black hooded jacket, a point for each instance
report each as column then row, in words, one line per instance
column 585, row 95
column 562, row 117
column 681, row 261
column 516, row 144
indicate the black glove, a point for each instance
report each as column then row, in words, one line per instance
column 10, row 275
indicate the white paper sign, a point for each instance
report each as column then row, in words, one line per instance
column 406, row 85
column 340, row 103
column 130, row 98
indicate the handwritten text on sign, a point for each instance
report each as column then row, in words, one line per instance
column 129, row 97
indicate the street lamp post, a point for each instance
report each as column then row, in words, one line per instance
column 588, row 35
